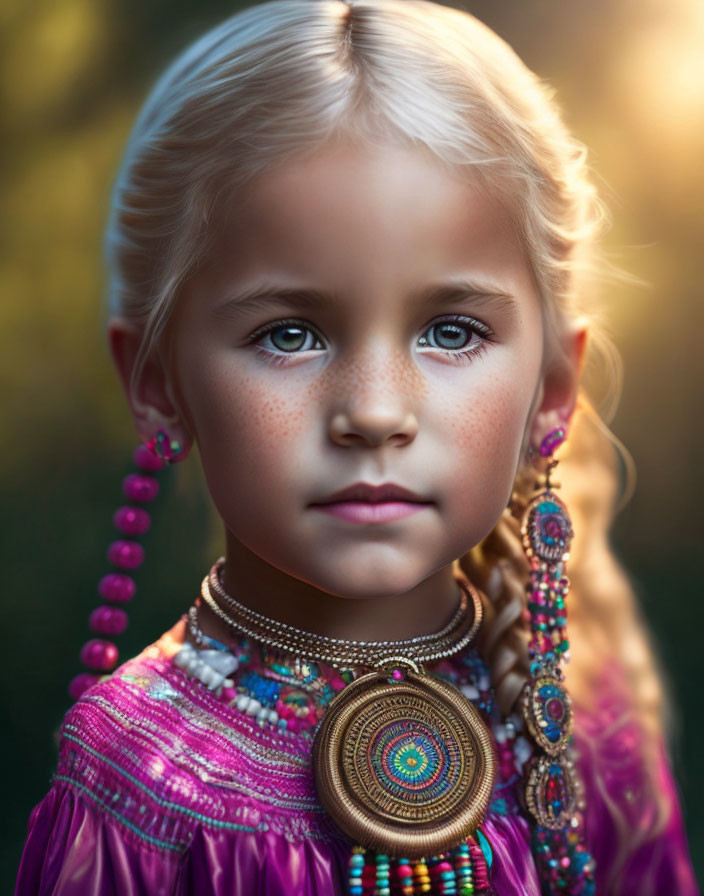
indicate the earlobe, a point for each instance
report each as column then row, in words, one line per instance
column 149, row 395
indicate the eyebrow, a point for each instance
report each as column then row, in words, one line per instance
column 263, row 297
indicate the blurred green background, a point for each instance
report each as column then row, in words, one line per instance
column 629, row 75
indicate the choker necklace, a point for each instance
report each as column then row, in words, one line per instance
column 403, row 761
column 343, row 653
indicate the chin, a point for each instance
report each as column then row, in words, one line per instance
column 370, row 585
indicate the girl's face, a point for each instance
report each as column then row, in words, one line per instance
column 391, row 333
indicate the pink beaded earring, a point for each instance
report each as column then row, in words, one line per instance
column 100, row 655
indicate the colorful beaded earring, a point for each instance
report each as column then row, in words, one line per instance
column 553, row 792
column 99, row 654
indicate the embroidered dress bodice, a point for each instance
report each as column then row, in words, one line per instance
column 165, row 786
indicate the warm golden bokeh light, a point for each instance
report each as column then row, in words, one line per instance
column 658, row 80
column 54, row 45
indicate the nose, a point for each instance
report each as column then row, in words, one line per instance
column 373, row 414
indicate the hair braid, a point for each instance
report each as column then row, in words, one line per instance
column 500, row 569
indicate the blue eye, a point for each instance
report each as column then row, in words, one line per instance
column 288, row 336
column 467, row 337
column 458, row 335
column 291, row 337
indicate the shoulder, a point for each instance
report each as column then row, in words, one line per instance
column 161, row 788
column 618, row 755
column 632, row 814
column 163, row 756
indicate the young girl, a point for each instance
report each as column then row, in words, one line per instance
column 350, row 253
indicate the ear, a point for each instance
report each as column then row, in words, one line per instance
column 560, row 386
column 151, row 396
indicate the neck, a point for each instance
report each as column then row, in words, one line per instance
column 422, row 609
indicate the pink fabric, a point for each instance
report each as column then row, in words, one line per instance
column 621, row 811
column 163, row 789
column 75, row 851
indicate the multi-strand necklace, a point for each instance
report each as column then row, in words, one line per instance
column 403, row 761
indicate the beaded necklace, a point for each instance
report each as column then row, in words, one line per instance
column 294, row 694
column 303, row 695
column 272, row 690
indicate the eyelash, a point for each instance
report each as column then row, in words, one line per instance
column 460, row 356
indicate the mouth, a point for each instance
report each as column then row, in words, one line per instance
column 366, row 503
column 373, row 494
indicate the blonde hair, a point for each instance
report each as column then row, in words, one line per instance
column 278, row 79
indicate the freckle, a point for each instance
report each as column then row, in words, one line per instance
column 466, row 428
column 279, row 418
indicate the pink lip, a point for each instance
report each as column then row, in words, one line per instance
column 367, row 512
column 366, row 491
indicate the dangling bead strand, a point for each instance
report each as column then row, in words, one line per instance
column 463, row 870
column 481, row 870
column 356, row 870
column 383, row 876
column 405, row 877
column 100, row 655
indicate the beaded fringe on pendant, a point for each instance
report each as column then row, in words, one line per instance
column 463, row 871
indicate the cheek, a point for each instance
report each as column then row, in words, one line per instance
column 487, row 435
column 265, row 419
column 492, row 421
column 244, row 429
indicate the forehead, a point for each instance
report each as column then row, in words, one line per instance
column 367, row 219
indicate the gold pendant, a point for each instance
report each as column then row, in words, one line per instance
column 404, row 763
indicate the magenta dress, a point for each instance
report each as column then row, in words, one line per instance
column 166, row 788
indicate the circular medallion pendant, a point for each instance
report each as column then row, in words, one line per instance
column 548, row 713
column 547, row 532
column 405, row 767
column 552, row 791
